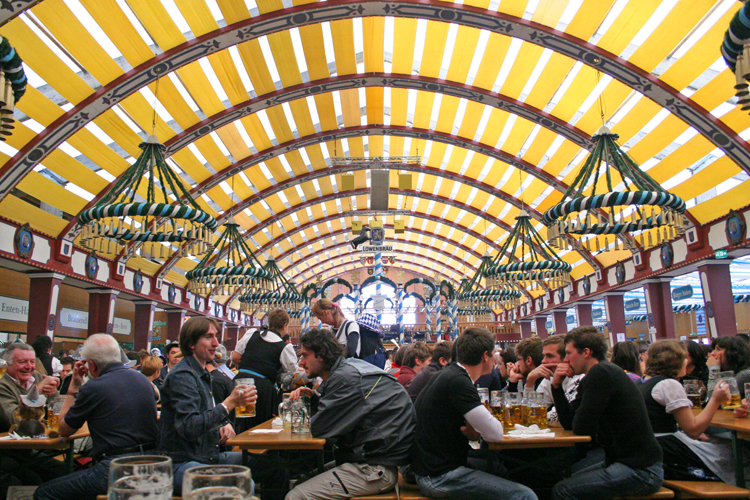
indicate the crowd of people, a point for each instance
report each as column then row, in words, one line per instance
column 414, row 410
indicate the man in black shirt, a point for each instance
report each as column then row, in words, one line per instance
column 449, row 413
column 610, row 408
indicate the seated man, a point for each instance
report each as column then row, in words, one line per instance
column 608, row 407
column 192, row 425
column 553, row 352
column 529, row 352
column 368, row 414
column 29, row 467
column 417, row 356
column 449, row 413
column 119, row 406
column 441, row 357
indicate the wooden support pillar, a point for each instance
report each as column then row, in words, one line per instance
column 525, row 329
column 144, row 324
column 102, row 310
column 541, row 327
column 583, row 313
column 44, row 293
column 716, row 282
column 560, row 320
column 659, row 306
column 175, row 319
column 614, row 304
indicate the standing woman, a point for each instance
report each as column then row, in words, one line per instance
column 261, row 355
column 345, row 331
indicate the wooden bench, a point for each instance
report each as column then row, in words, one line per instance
column 706, row 489
column 662, row 493
column 408, row 492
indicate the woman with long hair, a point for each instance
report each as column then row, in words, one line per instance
column 627, row 356
column 262, row 355
column 344, row 330
column 731, row 354
column 685, row 456
column 696, row 368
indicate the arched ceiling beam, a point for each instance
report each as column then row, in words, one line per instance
column 400, row 260
column 418, row 215
column 355, row 258
column 353, row 261
column 73, row 229
column 322, row 199
column 392, row 80
column 314, row 13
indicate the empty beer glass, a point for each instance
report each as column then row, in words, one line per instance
column 140, row 477
column 217, row 482
column 249, row 410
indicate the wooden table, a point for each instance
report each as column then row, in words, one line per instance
column 740, row 430
column 65, row 444
column 283, row 440
column 546, row 462
column 558, row 438
column 249, row 442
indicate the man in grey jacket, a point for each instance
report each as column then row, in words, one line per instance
column 366, row 411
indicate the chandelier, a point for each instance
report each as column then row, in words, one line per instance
column 280, row 293
column 148, row 204
column 472, row 297
column 12, row 86
column 736, row 53
column 543, row 265
column 209, row 278
column 634, row 202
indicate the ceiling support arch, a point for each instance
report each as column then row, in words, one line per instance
column 321, row 239
column 271, row 220
column 382, row 80
column 417, row 215
column 690, row 112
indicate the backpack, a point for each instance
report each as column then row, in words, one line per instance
column 370, row 345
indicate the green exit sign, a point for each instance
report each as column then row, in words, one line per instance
column 720, row 254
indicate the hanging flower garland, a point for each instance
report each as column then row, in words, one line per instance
column 12, row 85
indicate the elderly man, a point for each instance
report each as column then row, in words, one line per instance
column 368, row 413
column 28, row 466
column 192, row 426
column 119, row 406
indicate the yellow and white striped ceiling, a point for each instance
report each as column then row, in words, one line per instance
column 500, row 116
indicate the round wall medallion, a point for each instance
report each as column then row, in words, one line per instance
column 666, row 254
column 23, row 242
column 736, row 229
column 92, row 266
column 587, row 285
column 197, row 302
column 138, row 281
column 561, row 295
column 171, row 293
column 620, row 273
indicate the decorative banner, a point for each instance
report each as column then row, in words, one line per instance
column 682, row 292
column 632, row 304
column 377, row 249
column 14, row 309
column 74, row 318
column 597, row 314
column 158, row 326
column 570, row 320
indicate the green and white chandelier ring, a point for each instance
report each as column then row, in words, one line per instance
column 662, row 199
column 187, row 213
